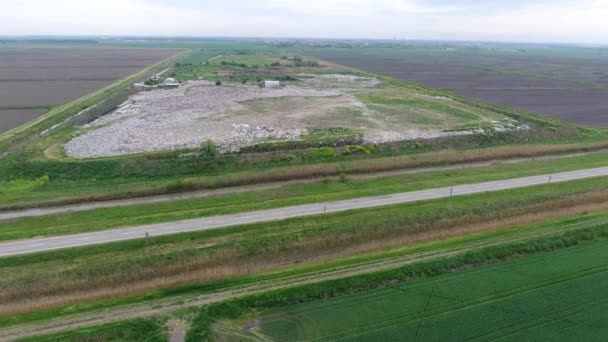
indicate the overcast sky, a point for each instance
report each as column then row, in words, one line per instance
column 575, row 21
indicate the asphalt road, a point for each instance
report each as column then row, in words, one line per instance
column 86, row 206
column 136, row 232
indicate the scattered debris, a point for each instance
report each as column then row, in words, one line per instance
column 187, row 116
column 245, row 135
column 238, row 115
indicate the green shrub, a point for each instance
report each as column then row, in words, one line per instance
column 322, row 153
column 343, row 178
column 357, row 149
column 179, row 185
column 209, row 148
column 287, row 157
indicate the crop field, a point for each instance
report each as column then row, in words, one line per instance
column 34, row 79
column 128, row 150
column 542, row 297
column 565, row 83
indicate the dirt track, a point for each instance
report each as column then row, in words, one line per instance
column 167, row 306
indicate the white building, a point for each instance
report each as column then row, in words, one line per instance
column 272, row 84
column 170, row 83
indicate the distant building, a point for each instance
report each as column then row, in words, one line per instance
column 170, row 83
column 271, row 84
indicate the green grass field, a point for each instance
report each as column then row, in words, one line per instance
column 554, row 296
column 129, row 331
column 249, row 59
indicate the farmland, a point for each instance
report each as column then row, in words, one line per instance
column 34, row 79
column 127, row 156
column 567, row 83
column 539, row 297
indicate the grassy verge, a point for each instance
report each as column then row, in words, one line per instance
column 137, row 330
column 80, row 280
column 108, row 182
column 287, row 195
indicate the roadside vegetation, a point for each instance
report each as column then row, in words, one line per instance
column 137, row 330
column 329, row 189
column 64, row 182
column 173, row 265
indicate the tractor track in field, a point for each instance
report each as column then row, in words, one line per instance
column 169, row 305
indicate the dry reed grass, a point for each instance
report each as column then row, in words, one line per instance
column 223, row 264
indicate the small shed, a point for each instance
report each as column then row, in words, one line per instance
column 170, row 83
column 271, row 84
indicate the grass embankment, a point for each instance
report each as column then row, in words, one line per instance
column 287, row 195
column 60, row 113
column 130, row 331
column 548, row 296
column 80, row 279
column 90, row 180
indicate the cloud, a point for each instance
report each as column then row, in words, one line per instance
column 514, row 20
column 360, row 8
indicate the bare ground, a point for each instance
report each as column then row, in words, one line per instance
column 235, row 115
column 190, row 115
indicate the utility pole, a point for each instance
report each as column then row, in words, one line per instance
column 550, row 177
column 451, row 195
column 148, row 239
